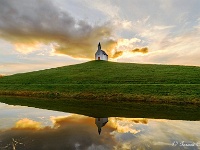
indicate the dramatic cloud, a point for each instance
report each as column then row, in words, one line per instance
column 27, row 25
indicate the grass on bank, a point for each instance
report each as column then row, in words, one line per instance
column 163, row 93
column 101, row 80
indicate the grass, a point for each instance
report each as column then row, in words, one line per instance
column 179, row 94
column 119, row 89
column 109, row 81
column 101, row 72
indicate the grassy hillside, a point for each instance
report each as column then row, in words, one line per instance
column 109, row 81
column 101, row 72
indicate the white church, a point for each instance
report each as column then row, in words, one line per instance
column 100, row 54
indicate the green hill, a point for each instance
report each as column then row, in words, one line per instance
column 109, row 81
column 102, row 72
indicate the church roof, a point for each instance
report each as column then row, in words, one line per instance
column 99, row 49
column 104, row 52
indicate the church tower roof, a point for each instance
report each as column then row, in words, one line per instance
column 99, row 46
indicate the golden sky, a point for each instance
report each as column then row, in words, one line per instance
column 38, row 34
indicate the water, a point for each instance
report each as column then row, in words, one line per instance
column 25, row 128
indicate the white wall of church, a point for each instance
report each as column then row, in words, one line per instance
column 101, row 55
column 104, row 57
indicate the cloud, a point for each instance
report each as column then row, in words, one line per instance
column 162, row 27
column 142, row 50
column 122, row 46
column 117, row 54
column 107, row 8
column 26, row 48
column 28, row 24
column 127, row 43
column 182, row 49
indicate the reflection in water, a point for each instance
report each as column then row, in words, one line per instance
column 100, row 122
column 23, row 128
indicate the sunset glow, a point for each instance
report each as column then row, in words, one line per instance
column 30, row 30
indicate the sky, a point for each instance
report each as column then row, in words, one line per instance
column 40, row 34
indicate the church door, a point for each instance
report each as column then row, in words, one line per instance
column 98, row 58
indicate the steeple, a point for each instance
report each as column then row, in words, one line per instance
column 99, row 130
column 99, row 46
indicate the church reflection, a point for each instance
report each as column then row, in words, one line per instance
column 100, row 122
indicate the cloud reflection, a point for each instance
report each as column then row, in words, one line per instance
column 73, row 132
column 27, row 124
column 80, row 132
column 125, row 125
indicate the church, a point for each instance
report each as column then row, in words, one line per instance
column 100, row 54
